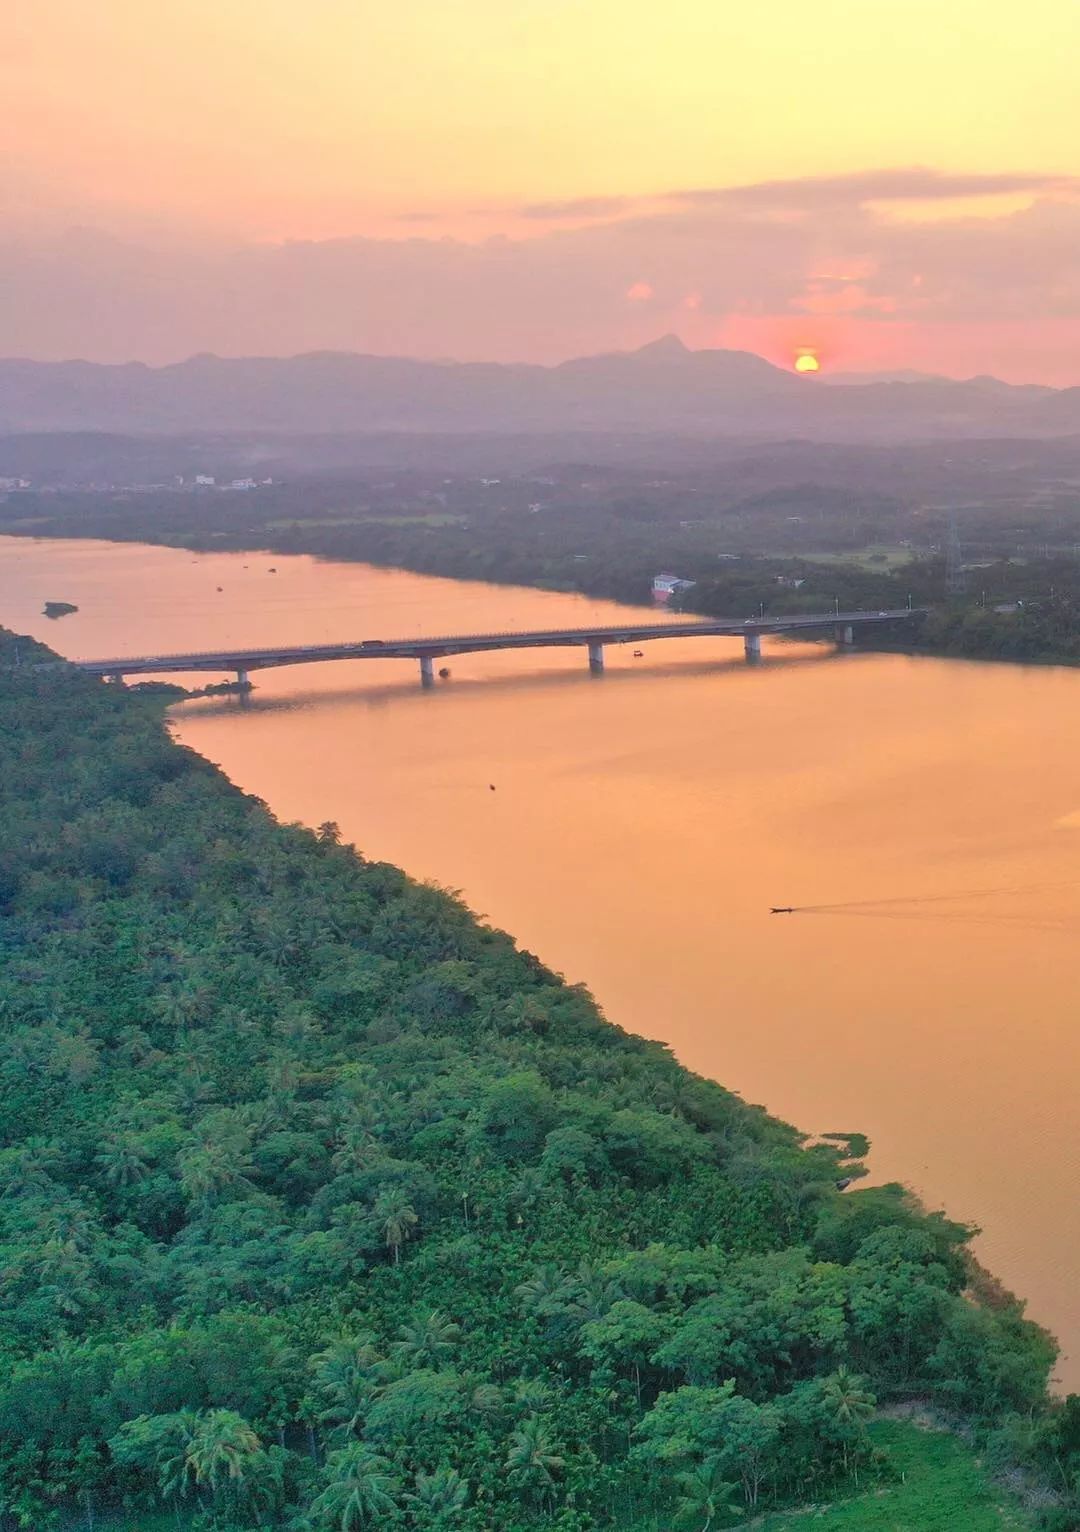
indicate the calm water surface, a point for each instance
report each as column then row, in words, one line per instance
column 643, row 823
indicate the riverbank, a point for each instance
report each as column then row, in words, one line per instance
column 293, row 1096
column 1039, row 623
column 677, row 801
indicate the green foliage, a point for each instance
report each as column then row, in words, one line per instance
column 929, row 1483
column 324, row 1207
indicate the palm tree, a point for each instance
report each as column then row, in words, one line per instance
column 427, row 1342
column 346, row 1375
column 532, row 1460
column 398, row 1219
column 362, row 1489
column 527, row 1192
column 120, row 1163
column 178, row 1006
column 216, row 1168
column 280, row 943
column 28, row 1170
column 487, row 1399
column 357, row 1142
column 851, row 1404
column 533, row 1394
column 438, row 1498
column 221, row 1448
column 543, row 1290
column 593, row 1294
column 705, row 1495
column 159, row 1444
column 65, row 1275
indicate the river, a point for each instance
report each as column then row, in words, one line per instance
column 642, row 824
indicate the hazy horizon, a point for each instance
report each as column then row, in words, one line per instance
column 853, row 373
column 529, row 182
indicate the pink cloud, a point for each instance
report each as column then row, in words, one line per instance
column 795, row 264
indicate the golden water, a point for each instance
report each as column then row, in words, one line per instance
column 642, row 824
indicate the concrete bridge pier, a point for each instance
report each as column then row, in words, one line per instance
column 752, row 646
column 427, row 670
column 242, row 679
column 596, row 659
column 115, row 678
column 845, row 635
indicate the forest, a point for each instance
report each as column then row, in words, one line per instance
column 324, row 1207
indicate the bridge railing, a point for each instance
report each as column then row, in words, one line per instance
column 598, row 633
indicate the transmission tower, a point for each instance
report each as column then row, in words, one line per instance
column 954, row 569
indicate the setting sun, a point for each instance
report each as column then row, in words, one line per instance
column 806, row 361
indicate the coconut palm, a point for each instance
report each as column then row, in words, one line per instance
column 427, row 1342
column 28, row 1169
column 216, row 1169
column 527, row 1192
column 593, row 1294
column 361, row 1490
column 158, row 1444
column 120, row 1162
column 221, row 1448
column 851, row 1405
column 347, row 1377
column 65, row 1276
column 532, row 1460
column 398, row 1218
column 357, row 1144
column 487, row 1399
column 533, row 1394
column 706, row 1497
column 438, row 1498
column 542, row 1292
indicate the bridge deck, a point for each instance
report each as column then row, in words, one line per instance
column 472, row 643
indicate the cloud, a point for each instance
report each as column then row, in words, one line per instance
column 577, row 207
column 857, row 190
column 805, row 260
column 913, row 183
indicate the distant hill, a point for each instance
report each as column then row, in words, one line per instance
column 663, row 387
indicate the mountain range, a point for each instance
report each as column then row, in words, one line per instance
column 661, row 388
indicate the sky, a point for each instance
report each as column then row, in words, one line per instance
column 893, row 183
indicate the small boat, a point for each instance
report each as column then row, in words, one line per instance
column 782, row 909
column 638, row 653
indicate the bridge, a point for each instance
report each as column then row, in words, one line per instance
column 242, row 662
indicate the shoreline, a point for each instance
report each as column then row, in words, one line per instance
column 211, row 546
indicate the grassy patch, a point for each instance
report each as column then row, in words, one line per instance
column 879, row 558
column 942, row 1488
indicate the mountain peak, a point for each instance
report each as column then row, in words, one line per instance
column 664, row 348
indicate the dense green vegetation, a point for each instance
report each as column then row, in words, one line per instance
column 323, row 1207
column 609, row 539
column 934, row 1485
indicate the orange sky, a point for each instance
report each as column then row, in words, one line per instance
column 203, row 122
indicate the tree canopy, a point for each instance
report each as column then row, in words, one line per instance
column 324, row 1207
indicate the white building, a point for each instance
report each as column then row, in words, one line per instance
column 664, row 586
